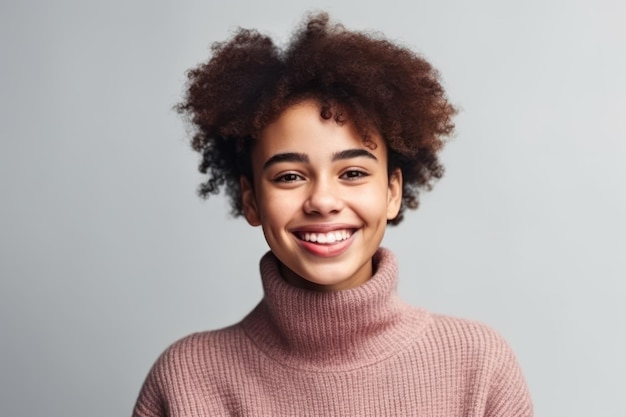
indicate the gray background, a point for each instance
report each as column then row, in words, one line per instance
column 107, row 256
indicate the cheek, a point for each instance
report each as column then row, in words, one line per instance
column 371, row 203
column 278, row 208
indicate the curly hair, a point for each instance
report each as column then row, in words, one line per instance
column 379, row 86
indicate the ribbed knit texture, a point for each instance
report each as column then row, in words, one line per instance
column 357, row 352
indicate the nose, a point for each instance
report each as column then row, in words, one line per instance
column 324, row 198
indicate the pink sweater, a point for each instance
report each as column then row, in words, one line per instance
column 358, row 352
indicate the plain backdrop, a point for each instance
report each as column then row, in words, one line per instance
column 107, row 256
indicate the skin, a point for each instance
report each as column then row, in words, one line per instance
column 315, row 181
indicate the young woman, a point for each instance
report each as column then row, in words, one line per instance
column 323, row 144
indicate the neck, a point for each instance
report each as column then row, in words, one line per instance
column 362, row 276
column 339, row 329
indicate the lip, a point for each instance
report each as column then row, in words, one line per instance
column 325, row 250
column 324, row 228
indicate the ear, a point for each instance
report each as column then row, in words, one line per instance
column 394, row 194
column 248, row 202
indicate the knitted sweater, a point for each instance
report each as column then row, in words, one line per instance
column 356, row 352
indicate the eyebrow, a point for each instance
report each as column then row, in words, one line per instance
column 353, row 153
column 286, row 157
column 304, row 158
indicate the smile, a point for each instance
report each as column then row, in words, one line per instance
column 325, row 238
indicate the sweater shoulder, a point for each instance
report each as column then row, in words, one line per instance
column 478, row 344
column 196, row 349
column 486, row 359
column 188, row 368
column 459, row 332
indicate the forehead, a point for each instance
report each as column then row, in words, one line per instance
column 301, row 128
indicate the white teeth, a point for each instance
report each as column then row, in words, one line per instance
column 330, row 237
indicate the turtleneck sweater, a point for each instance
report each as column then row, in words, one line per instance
column 355, row 352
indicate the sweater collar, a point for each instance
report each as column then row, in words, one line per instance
column 336, row 330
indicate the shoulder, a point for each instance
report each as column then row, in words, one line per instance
column 195, row 358
column 485, row 360
column 188, row 369
column 465, row 334
column 469, row 347
column 197, row 350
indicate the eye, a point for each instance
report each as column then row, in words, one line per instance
column 288, row 177
column 353, row 174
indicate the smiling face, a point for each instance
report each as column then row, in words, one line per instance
column 322, row 197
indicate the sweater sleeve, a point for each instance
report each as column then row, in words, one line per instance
column 508, row 395
column 178, row 383
column 150, row 400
